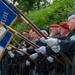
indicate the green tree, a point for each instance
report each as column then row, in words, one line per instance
column 25, row 5
column 54, row 13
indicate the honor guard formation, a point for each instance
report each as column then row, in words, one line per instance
column 39, row 51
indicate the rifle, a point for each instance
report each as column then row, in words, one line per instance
column 36, row 29
column 29, row 42
column 26, row 54
column 16, row 42
column 29, row 23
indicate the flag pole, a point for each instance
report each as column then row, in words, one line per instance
column 29, row 42
column 36, row 29
column 25, row 39
column 16, row 42
column 51, row 55
column 26, row 54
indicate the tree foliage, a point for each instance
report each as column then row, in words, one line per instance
column 44, row 17
column 25, row 5
column 55, row 13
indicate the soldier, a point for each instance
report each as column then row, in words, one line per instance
column 26, row 33
column 57, row 45
column 34, row 36
column 54, row 30
column 64, row 30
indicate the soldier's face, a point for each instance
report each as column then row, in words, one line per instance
column 54, row 30
column 26, row 34
column 71, row 23
column 33, row 34
column 63, row 31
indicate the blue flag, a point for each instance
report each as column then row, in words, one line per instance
column 5, row 39
column 8, row 4
column 4, row 42
column 7, row 13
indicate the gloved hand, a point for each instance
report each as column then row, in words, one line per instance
column 52, row 42
column 55, row 49
column 34, row 56
column 20, row 52
column 24, row 50
column 42, row 50
column 11, row 54
column 42, row 40
column 27, row 63
column 9, row 48
column 50, row 59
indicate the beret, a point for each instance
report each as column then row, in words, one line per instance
column 54, row 25
column 64, row 25
column 27, row 31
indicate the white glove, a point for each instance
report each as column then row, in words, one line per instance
column 42, row 40
column 24, row 50
column 50, row 59
column 11, row 54
column 9, row 48
column 42, row 50
column 55, row 49
column 20, row 52
column 34, row 56
column 27, row 63
column 52, row 42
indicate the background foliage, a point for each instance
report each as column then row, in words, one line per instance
column 45, row 16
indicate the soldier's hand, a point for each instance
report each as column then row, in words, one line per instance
column 27, row 63
column 42, row 40
column 9, row 47
column 34, row 56
column 41, row 49
column 24, row 50
column 11, row 54
column 50, row 59
column 52, row 42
